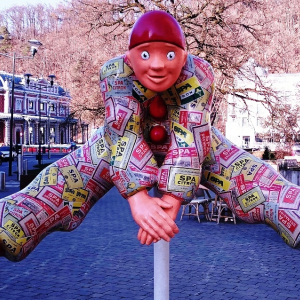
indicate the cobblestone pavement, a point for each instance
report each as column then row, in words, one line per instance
column 102, row 259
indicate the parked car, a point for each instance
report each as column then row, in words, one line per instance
column 5, row 153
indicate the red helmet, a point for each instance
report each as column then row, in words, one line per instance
column 156, row 26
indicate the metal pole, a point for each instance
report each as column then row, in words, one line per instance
column 49, row 154
column 12, row 118
column 161, row 263
column 20, row 166
column 161, row 270
column 25, row 166
column 39, row 129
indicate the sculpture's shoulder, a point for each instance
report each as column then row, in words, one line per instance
column 117, row 66
column 200, row 67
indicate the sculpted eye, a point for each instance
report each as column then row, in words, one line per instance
column 145, row 55
column 171, row 55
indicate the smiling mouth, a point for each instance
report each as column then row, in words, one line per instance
column 156, row 78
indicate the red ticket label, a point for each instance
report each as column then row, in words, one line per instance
column 291, row 197
column 51, row 197
column 141, row 150
column 163, row 179
column 287, row 221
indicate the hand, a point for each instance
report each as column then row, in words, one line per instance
column 148, row 212
column 146, row 238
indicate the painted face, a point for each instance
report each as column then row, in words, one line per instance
column 157, row 65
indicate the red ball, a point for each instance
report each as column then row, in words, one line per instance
column 158, row 109
column 158, row 134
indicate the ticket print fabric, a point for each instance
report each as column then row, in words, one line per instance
column 136, row 163
column 117, row 154
column 122, row 154
column 253, row 190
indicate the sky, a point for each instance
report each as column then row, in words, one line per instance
column 4, row 4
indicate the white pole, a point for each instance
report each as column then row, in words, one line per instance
column 161, row 270
column 161, row 263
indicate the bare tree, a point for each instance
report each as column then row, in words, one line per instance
column 80, row 36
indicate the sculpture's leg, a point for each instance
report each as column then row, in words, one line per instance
column 57, row 199
column 253, row 189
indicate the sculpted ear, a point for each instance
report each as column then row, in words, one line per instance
column 185, row 54
column 128, row 56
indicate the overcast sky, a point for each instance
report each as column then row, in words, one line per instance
column 4, row 4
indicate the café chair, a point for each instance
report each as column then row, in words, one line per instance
column 193, row 208
column 221, row 210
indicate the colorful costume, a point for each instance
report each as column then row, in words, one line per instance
column 253, row 190
column 134, row 158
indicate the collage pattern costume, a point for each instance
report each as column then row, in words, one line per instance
column 117, row 154
column 136, row 163
column 120, row 154
column 252, row 189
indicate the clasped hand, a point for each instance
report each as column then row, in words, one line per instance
column 155, row 216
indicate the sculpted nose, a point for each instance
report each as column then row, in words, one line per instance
column 157, row 64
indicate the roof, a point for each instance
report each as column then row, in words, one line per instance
column 20, row 83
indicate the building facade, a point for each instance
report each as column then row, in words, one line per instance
column 245, row 124
column 38, row 107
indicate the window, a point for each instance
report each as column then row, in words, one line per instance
column 30, row 104
column 18, row 104
column 245, row 121
column 246, row 141
column 42, row 106
column 260, row 121
column 62, row 110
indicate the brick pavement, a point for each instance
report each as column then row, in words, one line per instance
column 102, row 259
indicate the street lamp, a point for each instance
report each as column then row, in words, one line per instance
column 34, row 48
column 39, row 155
column 52, row 77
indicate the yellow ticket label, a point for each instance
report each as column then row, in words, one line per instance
column 141, row 93
column 174, row 114
column 190, row 90
column 226, row 172
column 187, row 85
column 22, row 240
column 184, row 137
column 34, row 187
column 100, row 148
column 14, row 229
column 74, row 195
column 49, row 176
column 250, row 169
column 72, row 177
column 127, row 71
column 181, row 179
column 215, row 141
column 121, row 151
column 8, row 244
column 133, row 124
column 170, row 96
column 75, row 206
column 186, row 180
column 120, row 148
column 251, row 199
column 239, row 164
column 217, row 180
column 112, row 67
